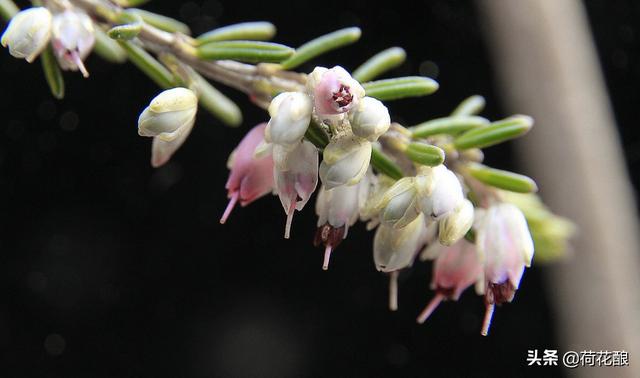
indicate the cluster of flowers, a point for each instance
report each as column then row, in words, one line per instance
column 428, row 212
column 69, row 30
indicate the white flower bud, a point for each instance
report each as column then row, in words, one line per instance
column 443, row 191
column 369, row 119
column 290, row 117
column 169, row 115
column 345, row 161
column 73, row 39
column 28, row 33
column 455, row 225
column 395, row 249
column 398, row 206
column 161, row 150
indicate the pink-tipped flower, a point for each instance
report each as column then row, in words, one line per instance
column 334, row 90
column 456, row 268
column 505, row 247
column 337, row 210
column 251, row 177
column 73, row 39
column 295, row 176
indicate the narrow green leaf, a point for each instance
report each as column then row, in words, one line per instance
column 131, row 3
column 132, row 25
column 161, row 22
column 107, row 48
column 470, row 106
column 383, row 164
column 148, row 64
column 256, row 31
column 52, row 73
column 321, row 45
column 215, row 102
column 245, row 51
column 506, row 180
column 447, row 125
column 8, row 9
column 401, row 87
column 495, row 133
column 379, row 64
column 425, row 154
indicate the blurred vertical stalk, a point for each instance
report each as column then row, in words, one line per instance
column 548, row 68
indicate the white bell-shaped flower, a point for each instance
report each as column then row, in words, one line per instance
column 169, row 115
column 345, row 161
column 442, row 191
column 396, row 248
column 369, row 119
column 290, row 117
column 73, row 39
column 28, row 33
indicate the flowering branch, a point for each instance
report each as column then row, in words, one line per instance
column 423, row 187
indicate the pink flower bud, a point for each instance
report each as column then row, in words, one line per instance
column 334, row 90
column 73, row 39
column 250, row 177
column 296, row 177
column 505, row 246
column 456, row 268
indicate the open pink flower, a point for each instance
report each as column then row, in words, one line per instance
column 250, row 177
column 456, row 268
column 334, row 90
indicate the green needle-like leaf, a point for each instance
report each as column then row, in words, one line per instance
column 321, row 45
column 257, row 31
column 495, row 133
column 148, row 64
column 245, row 51
column 132, row 25
column 447, row 125
column 425, row 154
column 107, row 48
column 506, row 180
column 52, row 73
column 8, row 9
column 161, row 22
column 379, row 64
column 470, row 106
column 401, row 87
column 383, row 164
column 215, row 102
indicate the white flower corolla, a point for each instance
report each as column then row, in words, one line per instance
column 398, row 205
column 337, row 210
column 162, row 150
column 441, row 193
column 73, row 39
column 369, row 119
column 456, row 224
column 290, row 117
column 28, row 33
column 170, row 115
column 295, row 176
column 395, row 249
column 505, row 248
column 334, row 91
column 345, row 161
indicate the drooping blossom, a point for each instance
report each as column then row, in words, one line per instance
column 251, row 177
column 337, row 210
column 505, row 247
column 456, row 268
column 28, row 33
column 295, row 176
column 72, row 39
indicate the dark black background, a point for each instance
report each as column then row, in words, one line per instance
column 109, row 268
